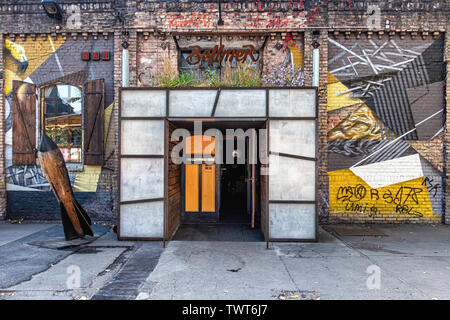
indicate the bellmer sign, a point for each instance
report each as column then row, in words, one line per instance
column 221, row 54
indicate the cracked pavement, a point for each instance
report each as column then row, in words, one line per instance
column 413, row 263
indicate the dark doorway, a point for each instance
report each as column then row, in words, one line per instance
column 237, row 196
column 234, row 194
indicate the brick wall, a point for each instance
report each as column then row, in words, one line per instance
column 115, row 115
column 155, row 55
column 43, row 205
column 57, row 59
column 2, row 140
column 153, row 24
column 398, row 93
column 447, row 132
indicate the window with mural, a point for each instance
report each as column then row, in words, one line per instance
column 62, row 118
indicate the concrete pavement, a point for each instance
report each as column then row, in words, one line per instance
column 8, row 233
column 396, row 262
column 413, row 260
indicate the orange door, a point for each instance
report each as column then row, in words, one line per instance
column 208, row 188
column 191, row 187
column 194, row 201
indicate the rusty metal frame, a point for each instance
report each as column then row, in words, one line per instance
column 216, row 101
column 120, row 156
column 266, row 119
column 315, row 159
column 166, row 181
column 267, row 232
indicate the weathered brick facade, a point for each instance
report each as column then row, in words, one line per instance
column 2, row 143
column 152, row 28
column 447, row 132
column 51, row 60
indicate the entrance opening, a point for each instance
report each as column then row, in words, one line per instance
column 219, row 198
column 152, row 187
column 234, row 194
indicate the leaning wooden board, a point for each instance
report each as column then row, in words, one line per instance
column 75, row 220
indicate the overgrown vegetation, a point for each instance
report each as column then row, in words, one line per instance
column 242, row 75
column 285, row 76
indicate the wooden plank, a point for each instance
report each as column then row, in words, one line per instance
column 191, row 187
column 24, row 123
column 173, row 189
column 263, row 184
column 208, row 188
column 94, row 92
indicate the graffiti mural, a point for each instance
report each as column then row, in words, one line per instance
column 46, row 61
column 385, row 126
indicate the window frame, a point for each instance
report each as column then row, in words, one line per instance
column 42, row 115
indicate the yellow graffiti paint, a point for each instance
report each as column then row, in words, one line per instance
column 350, row 195
column 10, row 75
column 109, row 134
column 16, row 51
column 296, row 56
column 361, row 124
column 25, row 56
column 335, row 100
column 108, row 112
column 87, row 180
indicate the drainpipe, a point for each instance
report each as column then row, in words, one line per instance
column 125, row 68
column 316, row 59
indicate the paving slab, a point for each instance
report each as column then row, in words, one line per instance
column 355, row 230
column 406, row 239
column 217, row 270
column 132, row 276
column 19, row 261
column 346, row 278
column 109, row 239
column 218, row 232
column 61, row 243
column 10, row 232
column 408, row 262
column 335, row 267
column 429, row 275
column 76, row 275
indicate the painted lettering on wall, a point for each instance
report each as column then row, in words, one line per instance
column 195, row 20
column 96, row 56
column 221, row 54
column 358, row 198
column 351, row 195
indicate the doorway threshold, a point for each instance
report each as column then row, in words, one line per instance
column 218, row 232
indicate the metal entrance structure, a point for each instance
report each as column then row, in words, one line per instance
column 288, row 154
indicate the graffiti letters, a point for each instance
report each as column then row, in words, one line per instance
column 351, row 194
column 220, row 54
column 195, row 20
column 365, row 208
column 432, row 187
column 277, row 23
column 405, row 199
